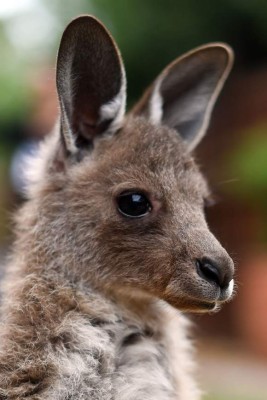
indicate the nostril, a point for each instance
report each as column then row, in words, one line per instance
column 211, row 272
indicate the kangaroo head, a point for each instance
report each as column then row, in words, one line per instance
column 124, row 198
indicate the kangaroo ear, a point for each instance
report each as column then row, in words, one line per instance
column 183, row 95
column 91, row 83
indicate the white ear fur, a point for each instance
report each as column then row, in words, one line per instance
column 115, row 109
column 156, row 104
column 184, row 94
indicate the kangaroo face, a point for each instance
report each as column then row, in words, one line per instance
column 134, row 198
column 146, row 197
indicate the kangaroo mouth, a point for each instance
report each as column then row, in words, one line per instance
column 193, row 305
column 204, row 303
column 199, row 296
column 202, row 307
column 213, row 304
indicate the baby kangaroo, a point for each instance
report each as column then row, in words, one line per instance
column 112, row 245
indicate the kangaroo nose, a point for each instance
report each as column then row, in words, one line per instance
column 212, row 271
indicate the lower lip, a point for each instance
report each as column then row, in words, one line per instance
column 207, row 306
column 202, row 306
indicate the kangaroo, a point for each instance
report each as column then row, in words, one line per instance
column 112, row 245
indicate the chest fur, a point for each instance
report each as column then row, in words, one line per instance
column 122, row 360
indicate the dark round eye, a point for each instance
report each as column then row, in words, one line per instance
column 133, row 204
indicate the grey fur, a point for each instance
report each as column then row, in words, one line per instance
column 94, row 301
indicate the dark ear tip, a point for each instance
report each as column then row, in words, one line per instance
column 83, row 27
column 84, row 20
column 218, row 52
column 81, row 30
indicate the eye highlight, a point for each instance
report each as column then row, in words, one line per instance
column 133, row 204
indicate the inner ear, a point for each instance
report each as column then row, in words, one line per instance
column 90, row 82
column 188, row 93
column 183, row 95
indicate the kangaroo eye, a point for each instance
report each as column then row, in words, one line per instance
column 133, row 204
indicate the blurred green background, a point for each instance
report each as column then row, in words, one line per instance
column 150, row 34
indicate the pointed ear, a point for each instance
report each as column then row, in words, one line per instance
column 91, row 83
column 183, row 95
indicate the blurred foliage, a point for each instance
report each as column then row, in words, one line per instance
column 13, row 87
column 4, row 184
column 150, row 34
column 249, row 163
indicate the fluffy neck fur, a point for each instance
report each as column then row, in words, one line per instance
column 62, row 339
